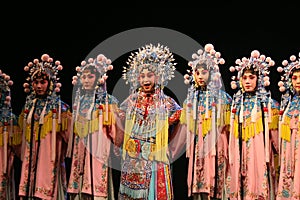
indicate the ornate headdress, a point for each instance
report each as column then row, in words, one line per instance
column 211, row 60
column 5, row 84
column 45, row 68
column 258, row 63
column 158, row 59
column 101, row 64
column 285, row 83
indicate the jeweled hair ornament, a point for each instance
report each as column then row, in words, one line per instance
column 157, row 58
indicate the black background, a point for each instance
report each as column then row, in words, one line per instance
column 69, row 32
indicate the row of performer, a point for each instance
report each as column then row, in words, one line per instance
column 244, row 146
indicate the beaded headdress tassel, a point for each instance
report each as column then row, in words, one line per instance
column 6, row 114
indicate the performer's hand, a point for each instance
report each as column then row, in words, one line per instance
column 122, row 115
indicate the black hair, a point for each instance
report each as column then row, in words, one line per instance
column 250, row 69
column 293, row 71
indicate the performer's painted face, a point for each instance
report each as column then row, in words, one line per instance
column 249, row 81
column 88, row 80
column 40, row 86
column 296, row 81
column 201, row 76
column 147, row 80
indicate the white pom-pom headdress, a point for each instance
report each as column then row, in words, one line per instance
column 157, row 59
column 257, row 62
column 208, row 58
column 285, row 83
column 101, row 64
column 5, row 84
column 45, row 68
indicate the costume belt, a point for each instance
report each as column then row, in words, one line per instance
column 137, row 148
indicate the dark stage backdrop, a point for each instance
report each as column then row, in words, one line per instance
column 69, row 35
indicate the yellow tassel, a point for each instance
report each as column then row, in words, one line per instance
column 274, row 124
column 285, row 130
column 17, row 136
column 161, row 138
column 82, row 126
column 47, row 126
column 250, row 129
column 128, row 128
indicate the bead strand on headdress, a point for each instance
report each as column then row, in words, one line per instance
column 6, row 114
